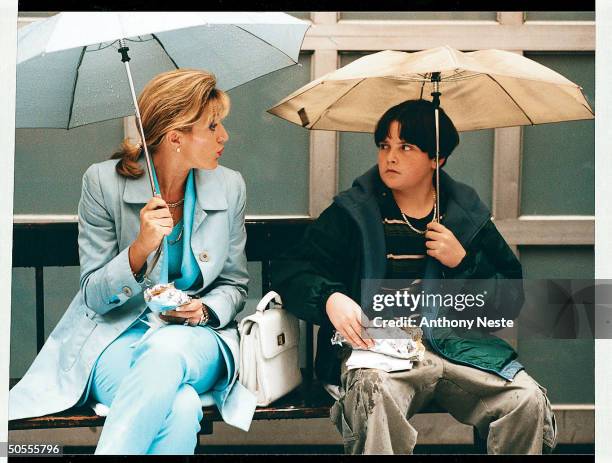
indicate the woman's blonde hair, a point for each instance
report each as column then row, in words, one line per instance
column 173, row 100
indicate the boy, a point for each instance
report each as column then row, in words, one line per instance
column 383, row 228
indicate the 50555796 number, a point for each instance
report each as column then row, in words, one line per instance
column 15, row 450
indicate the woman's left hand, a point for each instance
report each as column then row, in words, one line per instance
column 443, row 245
column 192, row 312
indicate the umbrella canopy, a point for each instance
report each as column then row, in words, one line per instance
column 69, row 71
column 481, row 89
column 70, row 74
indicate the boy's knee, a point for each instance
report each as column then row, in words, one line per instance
column 368, row 387
column 529, row 401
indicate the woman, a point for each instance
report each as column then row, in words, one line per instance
column 97, row 352
column 383, row 228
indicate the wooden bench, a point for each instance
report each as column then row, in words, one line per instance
column 40, row 245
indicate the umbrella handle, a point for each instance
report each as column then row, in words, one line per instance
column 153, row 262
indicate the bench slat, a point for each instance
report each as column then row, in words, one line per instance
column 55, row 244
column 309, row 400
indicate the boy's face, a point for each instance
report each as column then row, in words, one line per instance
column 402, row 165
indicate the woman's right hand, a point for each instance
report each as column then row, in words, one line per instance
column 346, row 316
column 155, row 223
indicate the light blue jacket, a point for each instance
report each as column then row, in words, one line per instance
column 110, row 299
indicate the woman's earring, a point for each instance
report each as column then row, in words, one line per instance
column 178, row 150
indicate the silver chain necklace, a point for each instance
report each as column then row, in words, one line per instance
column 416, row 230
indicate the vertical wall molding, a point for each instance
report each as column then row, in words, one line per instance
column 507, row 153
column 323, row 180
column 130, row 130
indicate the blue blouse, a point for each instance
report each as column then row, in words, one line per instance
column 175, row 251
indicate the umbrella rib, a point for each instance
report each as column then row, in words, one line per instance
column 334, row 102
column 510, row 96
column 589, row 109
column 264, row 41
column 76, row 78
column 165, row 51
column 587, row 106
column 261, row 76
column 294, row 96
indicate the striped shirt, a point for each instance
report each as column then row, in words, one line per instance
column 406, row 250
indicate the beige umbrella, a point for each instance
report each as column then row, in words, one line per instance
column 478, row 90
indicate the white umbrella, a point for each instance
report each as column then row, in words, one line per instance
column 69, row 71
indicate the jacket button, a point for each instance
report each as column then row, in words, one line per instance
column 204, row 257
column 127, row 291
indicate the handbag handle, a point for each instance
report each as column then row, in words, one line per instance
column 271, row 295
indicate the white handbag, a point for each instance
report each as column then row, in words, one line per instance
column 269, row 357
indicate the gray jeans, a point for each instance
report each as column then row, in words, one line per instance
column 372, row 415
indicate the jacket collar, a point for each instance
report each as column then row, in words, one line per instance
column 464, row 214
column 208, row 185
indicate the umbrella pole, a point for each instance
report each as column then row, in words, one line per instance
column 437, row 217
column 435, row 78
column 125, row 59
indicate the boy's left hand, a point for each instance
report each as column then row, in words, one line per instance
column 443, row 245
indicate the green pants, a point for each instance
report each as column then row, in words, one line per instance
column 372, row 415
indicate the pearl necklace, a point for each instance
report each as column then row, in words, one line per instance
column 416, row 230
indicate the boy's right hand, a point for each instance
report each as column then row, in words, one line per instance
column 346, row 316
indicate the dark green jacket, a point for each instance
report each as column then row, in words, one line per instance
column 347, row 244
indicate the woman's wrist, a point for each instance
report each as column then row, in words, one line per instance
column 205, row 317
column 137, row 258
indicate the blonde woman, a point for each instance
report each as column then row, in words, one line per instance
column 154, row 385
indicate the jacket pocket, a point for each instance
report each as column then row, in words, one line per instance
column 71, row 347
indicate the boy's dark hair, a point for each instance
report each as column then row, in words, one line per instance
column 418, row 127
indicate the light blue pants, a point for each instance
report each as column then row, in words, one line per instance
column 152, row 389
